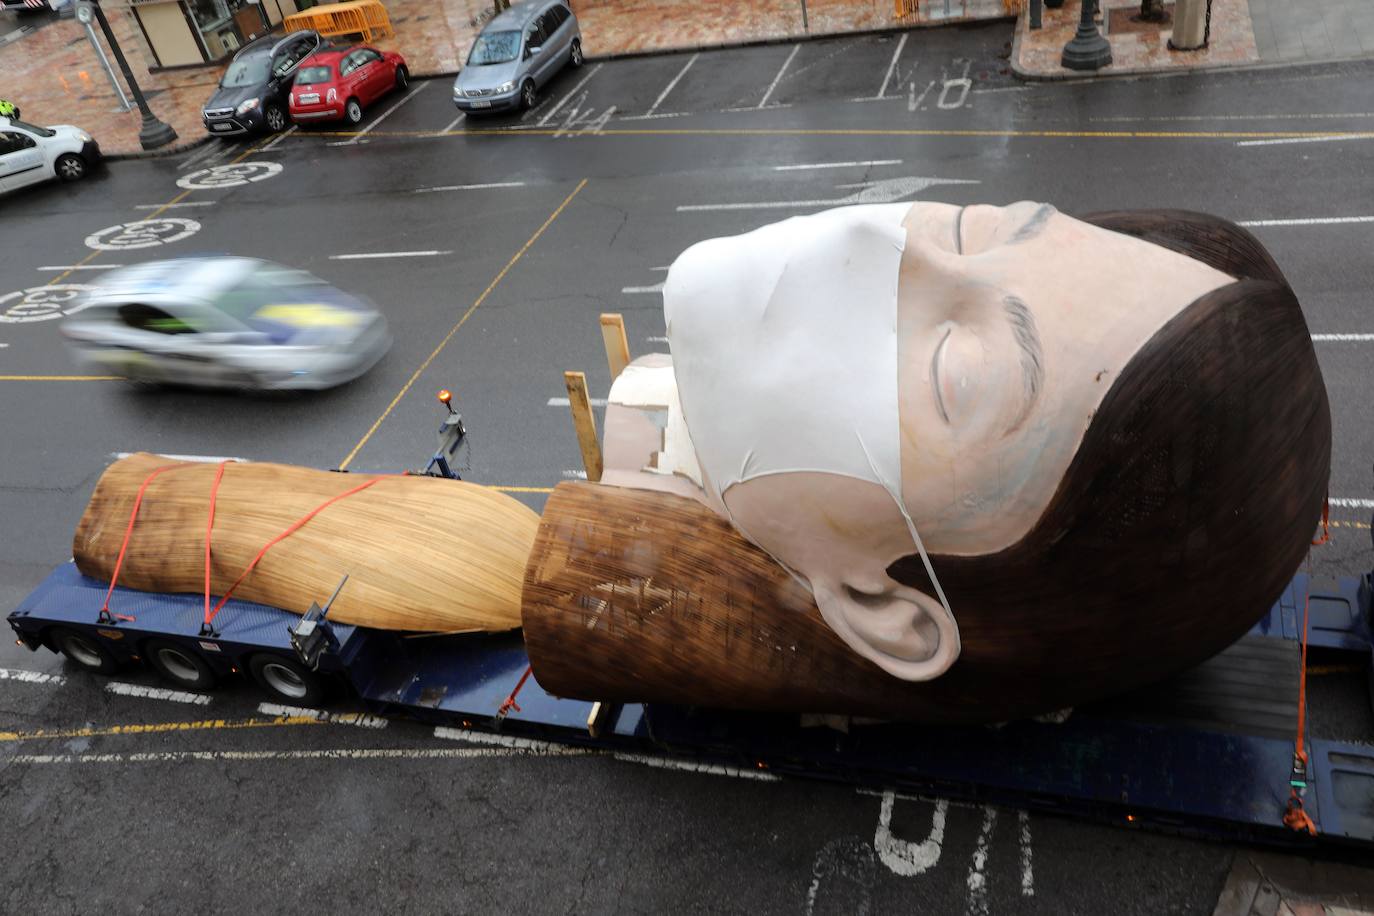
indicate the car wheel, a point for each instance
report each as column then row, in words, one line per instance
column 576, row 57
column 287, row 680
column 85, row 652
column 353, row 112
column 402, row 78
column 275, row 118
column 175, row 664
column 70, row 167
column 527, row 95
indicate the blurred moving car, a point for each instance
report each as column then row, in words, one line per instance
column 335, row 84
column 30, row 154
column 225, row 322
column 516, row 53
column 252, row 93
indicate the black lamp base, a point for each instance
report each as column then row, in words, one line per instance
column 155, row 133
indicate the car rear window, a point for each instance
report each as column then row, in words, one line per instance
column 319, row 74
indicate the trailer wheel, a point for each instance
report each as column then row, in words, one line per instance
column 85, row 651
column 181, row 667
column 288, row 680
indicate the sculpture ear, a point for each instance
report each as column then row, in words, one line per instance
column 905, row 632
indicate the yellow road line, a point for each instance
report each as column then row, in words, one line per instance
column 1334, row 669
column 156, row 727
column 61, row 378
column 447, row 337
column 165, row 207
column 1364, row 525
column 67, row 273
column 865, row 132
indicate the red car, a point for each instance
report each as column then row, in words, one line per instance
column 335, row 85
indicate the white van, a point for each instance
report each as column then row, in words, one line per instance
column 30, row 154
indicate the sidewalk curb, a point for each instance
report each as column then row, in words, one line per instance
column 160, row 153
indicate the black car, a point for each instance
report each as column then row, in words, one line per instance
column 252, row 94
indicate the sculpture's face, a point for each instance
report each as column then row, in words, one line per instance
column 860, row 378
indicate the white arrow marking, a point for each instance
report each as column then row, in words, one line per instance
column 881, row 191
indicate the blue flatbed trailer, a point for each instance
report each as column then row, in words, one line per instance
column 1209, row 752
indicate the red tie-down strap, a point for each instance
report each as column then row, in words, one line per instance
column 105, row 615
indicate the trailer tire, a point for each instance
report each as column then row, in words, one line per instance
column 287, row 680
column 85, row 651
column 178, row 666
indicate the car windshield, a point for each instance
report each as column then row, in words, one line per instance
column 308, row 75
column 246, row 71
column 267, row 285
column 32, row 128
column 494, row 48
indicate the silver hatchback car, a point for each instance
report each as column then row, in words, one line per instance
column 516, row 53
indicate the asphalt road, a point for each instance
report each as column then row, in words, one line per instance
column 514, row 233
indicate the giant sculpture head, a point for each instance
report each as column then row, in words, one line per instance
column 1002, row 423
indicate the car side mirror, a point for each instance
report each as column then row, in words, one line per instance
column 530, row 52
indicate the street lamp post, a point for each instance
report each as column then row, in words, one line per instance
column 1087, row 50
column 154, row 133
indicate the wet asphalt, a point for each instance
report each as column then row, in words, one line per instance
column 542, row 222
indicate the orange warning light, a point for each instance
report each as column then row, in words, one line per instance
column 444, row 396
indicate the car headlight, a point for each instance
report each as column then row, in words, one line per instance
column 505, row 87
column 246, row 106
column 83, row 136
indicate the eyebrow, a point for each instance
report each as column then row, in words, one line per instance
column 1032, row 356
column 1033, row 226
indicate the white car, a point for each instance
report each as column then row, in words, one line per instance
column 30, row 154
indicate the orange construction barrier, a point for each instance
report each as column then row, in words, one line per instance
column 367, row 18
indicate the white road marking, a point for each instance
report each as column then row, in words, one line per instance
column 1348, row 503
column 1343, row 338
column 1361, row 136
column 362, row 720
column 203, row 459
column 509, row 742
column 31, row 677
column 1314, row 221
column 1027, row 874
column 279, row 138
column 233, row 175
column 3, row 346
column 884, row 190
column 185, row 203
column 962, row 83
column 571, row 92
column 470, row 187
column 656, row 340
column 211, row 150
column 574, row 475
column 386, row 114
column 763, row 102
column 380, row 753
column 913, row 100
column 887, row 77
column 903, row 857
column 156, row 693
column 669, row 88
column 387, row 254
column 462, row 116
column 836, row 165
column 977, row 880
column 636, row 290
column 563, row 402
column 80, row 266
column 688, row 766
column 659, row 116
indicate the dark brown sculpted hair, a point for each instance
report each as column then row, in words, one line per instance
column 1187, row 508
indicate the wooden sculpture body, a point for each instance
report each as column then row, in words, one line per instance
column 1042, row 461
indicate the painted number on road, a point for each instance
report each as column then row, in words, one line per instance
column 143, row 233
column 41, row 303
column 229, row 176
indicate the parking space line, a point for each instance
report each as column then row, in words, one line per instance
column 571, row 92
column 778, row 78
column 199, row 459
column 993, row 133
column 362, row 720
column 471, row 187
column 1343, row 338
column 454, row 330
column 462, row 116
column 70, row 267
column 188, row 203
column 509, row 489
column 836, row 165
column 887, row 77
column 61, row 378
column 1312, row 221
column 641, row 290
column 669, row 88
column 156, row 693
column 563, row 402
column 387, row 254
column 280, row 137
column 31, row 677
column 384, row 115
